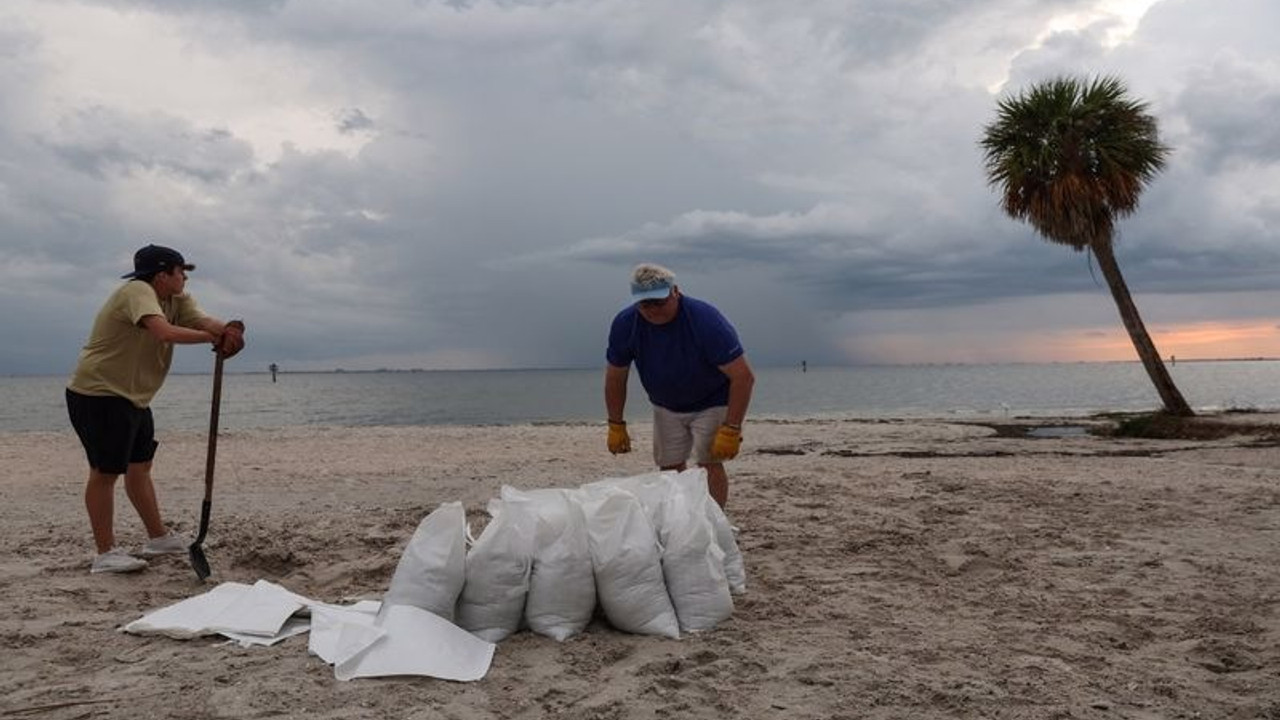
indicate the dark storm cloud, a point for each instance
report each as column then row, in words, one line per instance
column 353, row 120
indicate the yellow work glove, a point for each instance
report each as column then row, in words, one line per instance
column 619, row 440
column 726, row 443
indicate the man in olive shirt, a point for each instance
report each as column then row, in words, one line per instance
column 121, row 367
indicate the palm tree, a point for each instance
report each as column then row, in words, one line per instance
column 1070, row 156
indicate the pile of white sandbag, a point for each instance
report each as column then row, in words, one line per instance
column 654, row 550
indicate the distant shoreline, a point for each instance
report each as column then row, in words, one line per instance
column 344, row 371
column 797, row 366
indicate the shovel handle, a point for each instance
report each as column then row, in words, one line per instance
column 213, row 429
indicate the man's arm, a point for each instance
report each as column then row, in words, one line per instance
column 615, row 391
column 165, row 331
column 211, row 325
column 615, row 402
column 741, row 382
column 728, row 438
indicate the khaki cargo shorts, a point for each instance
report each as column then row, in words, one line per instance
column 678, row 435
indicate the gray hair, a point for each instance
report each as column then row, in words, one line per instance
column 649, row 275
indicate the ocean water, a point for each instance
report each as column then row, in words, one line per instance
column 252, row 400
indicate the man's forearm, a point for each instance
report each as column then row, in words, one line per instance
column 741, row 382
column 165, row 331
column 211, row 325
column 615, row 394
column 739, row 398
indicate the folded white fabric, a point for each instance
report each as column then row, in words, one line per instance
column 417, row 642
column 260, row 611
column 191, row 617
column 354, row 639
column 293, row 626
column 339, row 634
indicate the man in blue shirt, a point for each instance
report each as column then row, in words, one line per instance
column 693, row 368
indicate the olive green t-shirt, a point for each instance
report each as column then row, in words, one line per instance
column 122, row 357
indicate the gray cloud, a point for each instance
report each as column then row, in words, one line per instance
column 468, row 182
column 99, row 141
column 1230, row 110
column 197, row 7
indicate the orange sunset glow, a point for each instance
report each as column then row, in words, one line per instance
column 1190, row 341
column 1194, row 341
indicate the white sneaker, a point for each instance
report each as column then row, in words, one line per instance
column 164, row 545
column 116, row 560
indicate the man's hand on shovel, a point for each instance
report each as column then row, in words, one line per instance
column 232, row 339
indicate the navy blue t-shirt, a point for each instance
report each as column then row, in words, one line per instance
column 679, row 362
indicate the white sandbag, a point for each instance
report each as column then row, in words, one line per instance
column 432, row 568
column 562, row 586
column 491, row 605
column 692, row 561
column 734, row 569
column 651, row 489
column 627, row 561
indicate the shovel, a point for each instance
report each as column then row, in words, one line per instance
column 199, row 562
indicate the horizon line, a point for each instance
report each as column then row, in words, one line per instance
column 794, row 365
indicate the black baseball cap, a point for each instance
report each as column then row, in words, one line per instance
column 157, row 258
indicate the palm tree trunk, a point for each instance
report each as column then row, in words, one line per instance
column 1174, row 404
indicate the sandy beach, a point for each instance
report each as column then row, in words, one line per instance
column 896, row 569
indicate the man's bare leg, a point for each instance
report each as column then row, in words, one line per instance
column 717, row 483
column 99, row 500
column 142, row 493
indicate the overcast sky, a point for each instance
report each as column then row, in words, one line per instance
column 466, row 183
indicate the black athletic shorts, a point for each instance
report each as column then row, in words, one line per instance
column 112, row 430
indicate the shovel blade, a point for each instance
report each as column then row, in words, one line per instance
column 199, row 562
